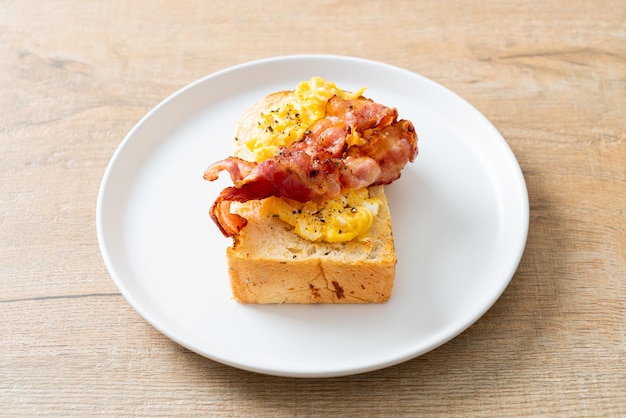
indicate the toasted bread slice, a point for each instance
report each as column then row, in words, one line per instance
column 269, row 263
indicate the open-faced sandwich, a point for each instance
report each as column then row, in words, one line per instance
column 307, row 212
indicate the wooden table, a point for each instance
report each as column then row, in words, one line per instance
column 75, row 76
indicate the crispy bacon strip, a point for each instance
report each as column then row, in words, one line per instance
column 321, row 164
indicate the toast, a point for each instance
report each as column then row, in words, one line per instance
column 268, row 263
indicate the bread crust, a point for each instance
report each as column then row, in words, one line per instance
column 256, row 280
column 268, row 263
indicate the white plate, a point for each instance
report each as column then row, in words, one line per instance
column 460, row 216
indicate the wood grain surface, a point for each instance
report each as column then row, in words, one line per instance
column 75, row 76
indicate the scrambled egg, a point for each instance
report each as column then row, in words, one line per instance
column 341, row 219
column 287, row 124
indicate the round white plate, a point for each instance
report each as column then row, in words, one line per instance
column 460, row 216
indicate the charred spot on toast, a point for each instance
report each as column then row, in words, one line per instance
column 314, row 290
column 338, row 290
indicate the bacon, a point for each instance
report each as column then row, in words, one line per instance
column 229, row 223
column 391, row 147
column 236, row 167
column 361, row 114
column 322, row 164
